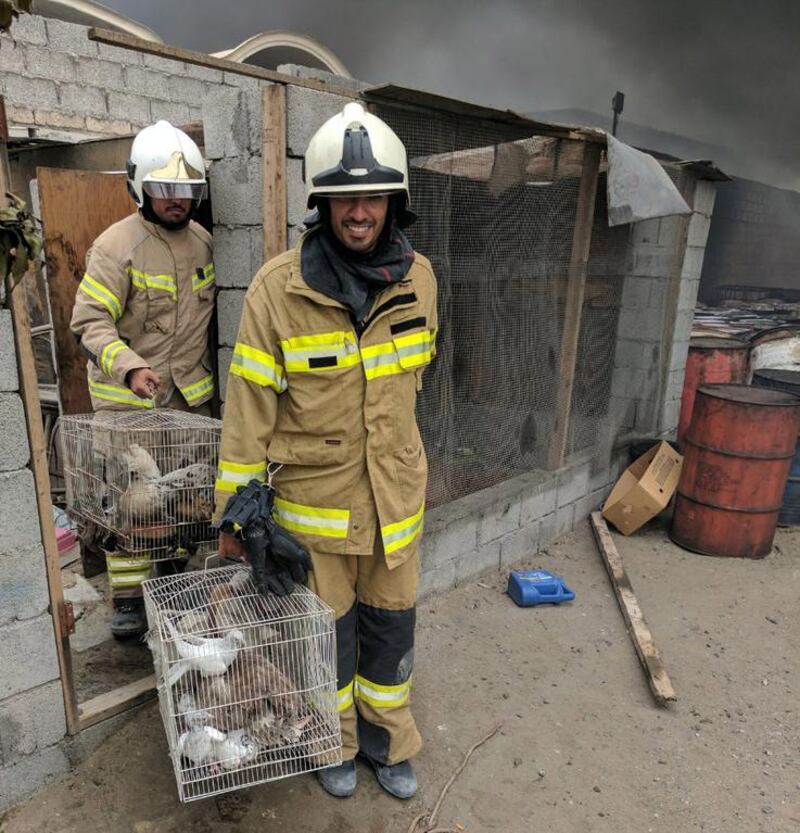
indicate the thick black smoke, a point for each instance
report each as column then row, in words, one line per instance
column 725, row 72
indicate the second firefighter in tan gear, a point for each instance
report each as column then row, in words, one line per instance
column 334, row 339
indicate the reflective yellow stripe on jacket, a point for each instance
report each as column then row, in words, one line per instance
column 398, row 355
column 145, row 280
column 313, row 520
column 117, row 393
column 94, row 289
column 398, row 535
column 323, row 351
column 344, row 697
column 257, row 366
column 197, row 390
column 108, row 355
column 382, row 696
column 209, row 276
column 230, row 475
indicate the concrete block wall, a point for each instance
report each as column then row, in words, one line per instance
column 60, row 85
column 664, row 262
column 32, row 723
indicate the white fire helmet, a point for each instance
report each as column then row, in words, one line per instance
column 165, row 164
column 355, row 152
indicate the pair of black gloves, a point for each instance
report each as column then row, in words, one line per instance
column 277, row 558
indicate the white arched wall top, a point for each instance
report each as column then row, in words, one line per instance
column 283, row 38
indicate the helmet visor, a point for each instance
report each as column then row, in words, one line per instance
column 175, row 190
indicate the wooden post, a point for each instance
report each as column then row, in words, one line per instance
column 29, row 390
column 576, row 283
column 273, row 164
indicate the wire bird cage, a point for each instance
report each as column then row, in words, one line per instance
column 246, row 682
column 145, row 478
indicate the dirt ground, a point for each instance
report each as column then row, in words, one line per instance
column 582, row 747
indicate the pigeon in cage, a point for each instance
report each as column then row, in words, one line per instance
column 199, row 745
column 143, row 499
column 225, row 611
column 209, row 656
column 236, row 749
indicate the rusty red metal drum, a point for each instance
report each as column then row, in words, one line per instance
column 737, row 455
column 710, row 361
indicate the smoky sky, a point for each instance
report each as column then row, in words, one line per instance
column 726, row 73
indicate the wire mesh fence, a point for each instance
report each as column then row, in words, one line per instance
column 246, row 683
column 497, row 216
column 147, row 479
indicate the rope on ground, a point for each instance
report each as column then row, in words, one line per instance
column 431, row 828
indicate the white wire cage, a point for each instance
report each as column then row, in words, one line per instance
column 246, row 682
column 146, row 478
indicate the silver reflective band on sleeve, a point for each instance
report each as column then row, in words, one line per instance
column 398, row 535
column 257, row 366
column 313, row 520
column 230, row 475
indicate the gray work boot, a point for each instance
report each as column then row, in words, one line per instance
column 340, row 780
column 129, row 620
column 398, row 779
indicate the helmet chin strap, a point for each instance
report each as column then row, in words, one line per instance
column 152, row 217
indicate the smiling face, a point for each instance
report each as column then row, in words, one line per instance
column 171, row 210
column 357, row 221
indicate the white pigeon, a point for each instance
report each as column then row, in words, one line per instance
column 200, row 745
column 208, row 656
column 237, row 749
column 189, row 709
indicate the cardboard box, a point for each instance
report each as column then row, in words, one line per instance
column 644, row 489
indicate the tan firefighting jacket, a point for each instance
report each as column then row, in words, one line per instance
column 146, row 300
column 336, row 410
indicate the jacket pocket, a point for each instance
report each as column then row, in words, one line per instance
column 413, row 349
column 304, row 450
column 161, row 310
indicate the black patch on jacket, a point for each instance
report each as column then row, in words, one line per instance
column 323, row 361
column 409, row 324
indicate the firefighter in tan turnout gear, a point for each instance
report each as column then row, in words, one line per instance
column 143, row 308
column 334, row 339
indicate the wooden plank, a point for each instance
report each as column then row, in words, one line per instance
column 639, row 632
column 29, row 391
column 576, row 284
column 68, row 233
column 114, row 702
column 203, row 59
column 273, row 166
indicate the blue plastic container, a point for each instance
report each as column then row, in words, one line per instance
column 538, row 587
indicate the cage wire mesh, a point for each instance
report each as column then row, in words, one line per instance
column 246, row 682
column 497, row 215
column 147, row 479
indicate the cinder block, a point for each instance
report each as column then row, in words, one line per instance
column 680, row 351
column 195, row 115
column 684, row 320
column 70, row 37
column 226, row 123
column 693, row 262
column 449, row 542
column 600, row 476
column 674, row 388
column 573, row 483
column 547, row 529
column 705, row 194
column 49, row 63
column 437, row 579
column 19, row 115
column 36, row 93
column 31, row 773
column 235, row 256
column 129, row 57
column 14, row 452
column 641, row 324
column 322, row 75
column 236, row 185
column 31, row 721
column 146, row 82
column 224, row 355
column 564, row 520
column 134, row 108
column 538, row 502
column 12, row 56
column 114, row 127
column 698, row 230
column 27, row 655
column 105, row 74
column 186, row 90
column 229, row 314
column 88, row 101
column 635, row 355
column 172, row 111
column 296, row 209
column 498, row 519
column 19, row 519
column 23, row 590
column 171, row 66
column 636, row 292
column 520, row 545
column 658, row 264
column 9, row 379
column 647, row 414
column 687, row 296
column 622, row 412
column 211, row 76
column 670, row 415
column 243, row 82
column 306, row 111
column 646, row 232
column 61, row 121
column 28, row 28
column 478, row 561
column 585, row 506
